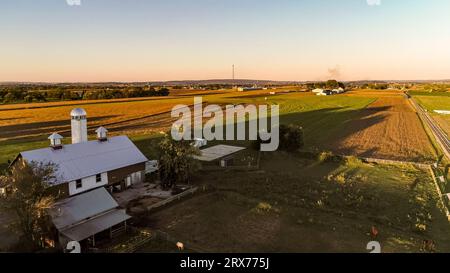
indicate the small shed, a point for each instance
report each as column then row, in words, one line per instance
column 223, row 153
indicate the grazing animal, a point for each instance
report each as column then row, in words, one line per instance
column 429, row 246
column 180, row 246
column 374, row 232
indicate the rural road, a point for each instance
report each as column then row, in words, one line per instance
column 438, row 133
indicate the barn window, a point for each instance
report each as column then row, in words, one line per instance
column 79, row 184
column 98, row 178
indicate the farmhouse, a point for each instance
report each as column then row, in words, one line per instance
column 323, row 92
column 111, row 162
column 253, row 88
column 86, row 172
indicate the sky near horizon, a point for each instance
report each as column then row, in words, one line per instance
column 159, row 40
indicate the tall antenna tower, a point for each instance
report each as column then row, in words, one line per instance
column 233, row 73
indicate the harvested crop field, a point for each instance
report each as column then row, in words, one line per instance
column 389, row 128
column 16, row 124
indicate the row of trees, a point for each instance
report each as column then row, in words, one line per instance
column 330, row 84
column 60, row 94
column 375, row 86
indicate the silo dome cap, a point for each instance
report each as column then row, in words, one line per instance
column 77, row 112
column 55, row 136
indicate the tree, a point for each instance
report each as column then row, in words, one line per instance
column 291, row 137
column 447, row 168
column 8, row 97
column 332, row 84
column 164, row 91
column 28, row 98
column 176, row 162
column 439, row 160
column 29, row 197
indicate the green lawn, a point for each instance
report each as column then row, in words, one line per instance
column 298, row 205
column 10, row 149
column 437, row 101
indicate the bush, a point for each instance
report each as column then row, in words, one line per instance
column 263, row 207
column 28, row 98
column 353, row 161
column 9, row 98
column 326, row 157
column 291, row 138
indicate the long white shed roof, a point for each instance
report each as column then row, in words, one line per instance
column 217, row 152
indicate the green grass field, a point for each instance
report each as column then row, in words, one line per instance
column 436, row 101
column 298, row 205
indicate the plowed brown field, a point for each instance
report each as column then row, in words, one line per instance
column 388, row 129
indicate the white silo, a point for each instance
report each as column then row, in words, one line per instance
column 79, row 125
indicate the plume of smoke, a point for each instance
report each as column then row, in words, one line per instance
column 334, row 72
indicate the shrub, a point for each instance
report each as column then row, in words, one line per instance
column 28, row 98
column 291, row 137
column 263, row 207
column 421, row 227
column 340, row 178
column 326, row 157
column 353, row 161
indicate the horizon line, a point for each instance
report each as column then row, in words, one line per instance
column 224, row 79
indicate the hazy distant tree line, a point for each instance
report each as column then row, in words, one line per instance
column 42, row 93
column 375, row 86
column 330, row 84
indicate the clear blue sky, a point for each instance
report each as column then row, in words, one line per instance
column 145, row 40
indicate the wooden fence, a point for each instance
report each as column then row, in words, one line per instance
column 395, row 162
column 172, row 199
column 442, row 197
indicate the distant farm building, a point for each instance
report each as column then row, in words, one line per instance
column 253, row 88
column 324, row 92
column 442, row 112
column 223, row 154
